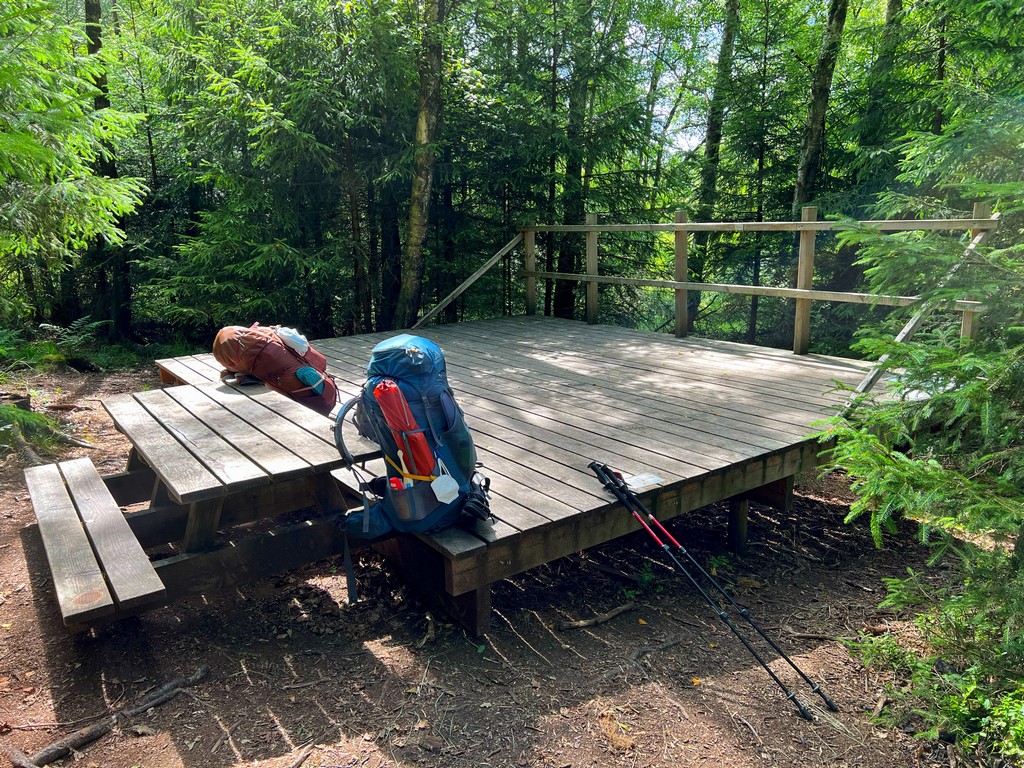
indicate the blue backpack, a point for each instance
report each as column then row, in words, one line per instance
column 407, row 408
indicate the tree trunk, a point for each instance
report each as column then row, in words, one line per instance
column 409, row 295
column 570, row 248
column 449, row 277
column 755, row 278
column 549, row 250
column 940, row 77
column 116, row 301
column 361, row 312
column 716, row 113
column 390, row 260
column 373, row 257
column 876, row 169
column 813, row 140
column 708, row 192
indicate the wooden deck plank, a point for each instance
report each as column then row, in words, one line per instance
column 715, row 429
column 592, row 422
column 81, row 590
column 727, row 355
column 728, row 352
column 314, row 425
column 659, row 380
column 506, row 459
column 317, row 425
column 780, row 378
column 711, row 428
column 530, row 418
column 232, row 469
column 710, row 407
column 127, row 567
column 204, row 366
column 173, row 464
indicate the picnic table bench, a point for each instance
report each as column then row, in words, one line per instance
column 205, row 457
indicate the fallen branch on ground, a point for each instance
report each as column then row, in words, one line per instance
column 18, row 758
column 639, row 653
column 63, row 436
column 69, row 744
column 306, row 752
column 816, row 636
column 600, row 619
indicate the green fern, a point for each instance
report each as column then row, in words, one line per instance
column 34, row 427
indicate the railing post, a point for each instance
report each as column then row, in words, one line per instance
column 591, row 306
column 530, row 265
column 682, row 274
column 805, row 281
column 969, row 321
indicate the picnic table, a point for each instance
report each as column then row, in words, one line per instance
column 204, row 459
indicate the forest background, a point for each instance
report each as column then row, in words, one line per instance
column 171, row 166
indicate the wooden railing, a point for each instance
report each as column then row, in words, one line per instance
column 981, row 224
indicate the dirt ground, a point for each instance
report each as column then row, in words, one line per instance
column 299, row 677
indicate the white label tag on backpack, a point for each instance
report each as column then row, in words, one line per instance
column 445, row 488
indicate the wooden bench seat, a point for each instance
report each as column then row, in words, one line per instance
column 98, row 566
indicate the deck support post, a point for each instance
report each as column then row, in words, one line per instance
column 326, row 493
column 591, row 305
column 682, row 274
column 777, row 494
column 804, row 281
column 969, row 321
column 739, row 508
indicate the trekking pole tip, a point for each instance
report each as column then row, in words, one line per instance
column 833, row 707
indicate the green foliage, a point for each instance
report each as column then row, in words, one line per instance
column 10, row 340
column 33, row 427
column 52, row 202
column 944, row 445
column 80, row 335
column 965, row 683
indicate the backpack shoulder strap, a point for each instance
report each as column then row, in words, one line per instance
column 339, row 436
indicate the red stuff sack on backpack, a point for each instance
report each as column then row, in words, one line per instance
column 261, row 352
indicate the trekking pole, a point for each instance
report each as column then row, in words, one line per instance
column 626, row 498
column 815, row 688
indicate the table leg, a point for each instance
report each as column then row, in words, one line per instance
column 201, row 529
column 326, row 493
column 134, row 484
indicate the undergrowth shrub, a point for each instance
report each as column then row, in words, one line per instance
column 965, row 685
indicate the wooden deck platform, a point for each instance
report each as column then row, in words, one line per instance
column 706, row 420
